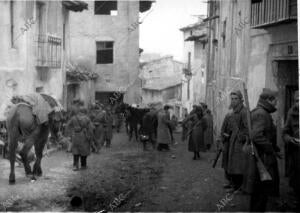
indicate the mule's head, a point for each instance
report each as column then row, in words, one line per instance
column 56, row 119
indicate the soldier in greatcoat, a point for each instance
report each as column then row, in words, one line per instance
column 208, row 134
column 263, row 136
column 163, row 133
column 81, row 129
column 235, row 157
column 99, row 129
column 291, row 138
column 106, row 125
column 223, row 142
column 195, row 132
column 149, row 127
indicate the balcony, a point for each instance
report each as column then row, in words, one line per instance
column 48, row 51
column 270, row 12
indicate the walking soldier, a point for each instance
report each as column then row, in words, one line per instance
column 81, row 129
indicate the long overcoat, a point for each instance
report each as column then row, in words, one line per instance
column 209, row 132
column 163, row 125
column 195, row 133
column 264, row 139
column 290, row 131
column 106, row 121
column 238, row 137
column 81, row 129
column 225, row 136
column 99, row 129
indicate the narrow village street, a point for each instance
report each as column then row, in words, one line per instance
column 135, row 180
column 222, row 75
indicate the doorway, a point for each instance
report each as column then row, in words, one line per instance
column 287, row 82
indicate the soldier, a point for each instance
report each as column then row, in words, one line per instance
column 149, row 127
column 263, row 136
column 99, row 128
column 223, row 142
column 195, row 133
column 208, row 134
column 163, row 126
column 237, row 134
column 106, row 121
column 291, row 138
column 81, row 129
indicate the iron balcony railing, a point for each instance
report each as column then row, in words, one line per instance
column 48, row 51
column 270, row 12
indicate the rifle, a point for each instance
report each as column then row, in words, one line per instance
column 227, row 136
column 263, row 173
column 217, row 158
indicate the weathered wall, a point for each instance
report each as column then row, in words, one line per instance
column 188, row 46
column 162, row 67
column 198, row 64
column 152, row 96
column 87, row 28
column 18, row 63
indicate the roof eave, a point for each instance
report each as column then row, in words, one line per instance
column 75, row 6
column 145, row 5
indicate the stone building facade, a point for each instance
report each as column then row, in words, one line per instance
column 34, row 46
column 106, row 39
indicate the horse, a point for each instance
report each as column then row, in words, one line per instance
column 22, row 126
column 134, row 118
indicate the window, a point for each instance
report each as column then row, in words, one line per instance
column 105, row 50
column 48, row 51
column 11, row 7
column 39, row 89
column 106, row 8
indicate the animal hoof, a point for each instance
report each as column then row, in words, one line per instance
column 12, row 182
column 12, row 179
column 29, row 175
column 39, row 174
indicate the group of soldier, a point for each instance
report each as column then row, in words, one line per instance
column 243, row 148
column 88, row 130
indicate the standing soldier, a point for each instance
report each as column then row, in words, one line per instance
column 106, row 121
column 238, row 137
column 263, row 136
column 291, row 137
column 149, row 127
column 195, row 133
column 119, row 117
column 99, row 129
column 208, row 134
column 163, row 126
column 81, row 135
column 223, row 142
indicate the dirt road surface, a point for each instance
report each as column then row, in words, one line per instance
column 125, row 178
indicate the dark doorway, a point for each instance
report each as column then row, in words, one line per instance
column 287, row 82
column 109, row 98
column 72, row 93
